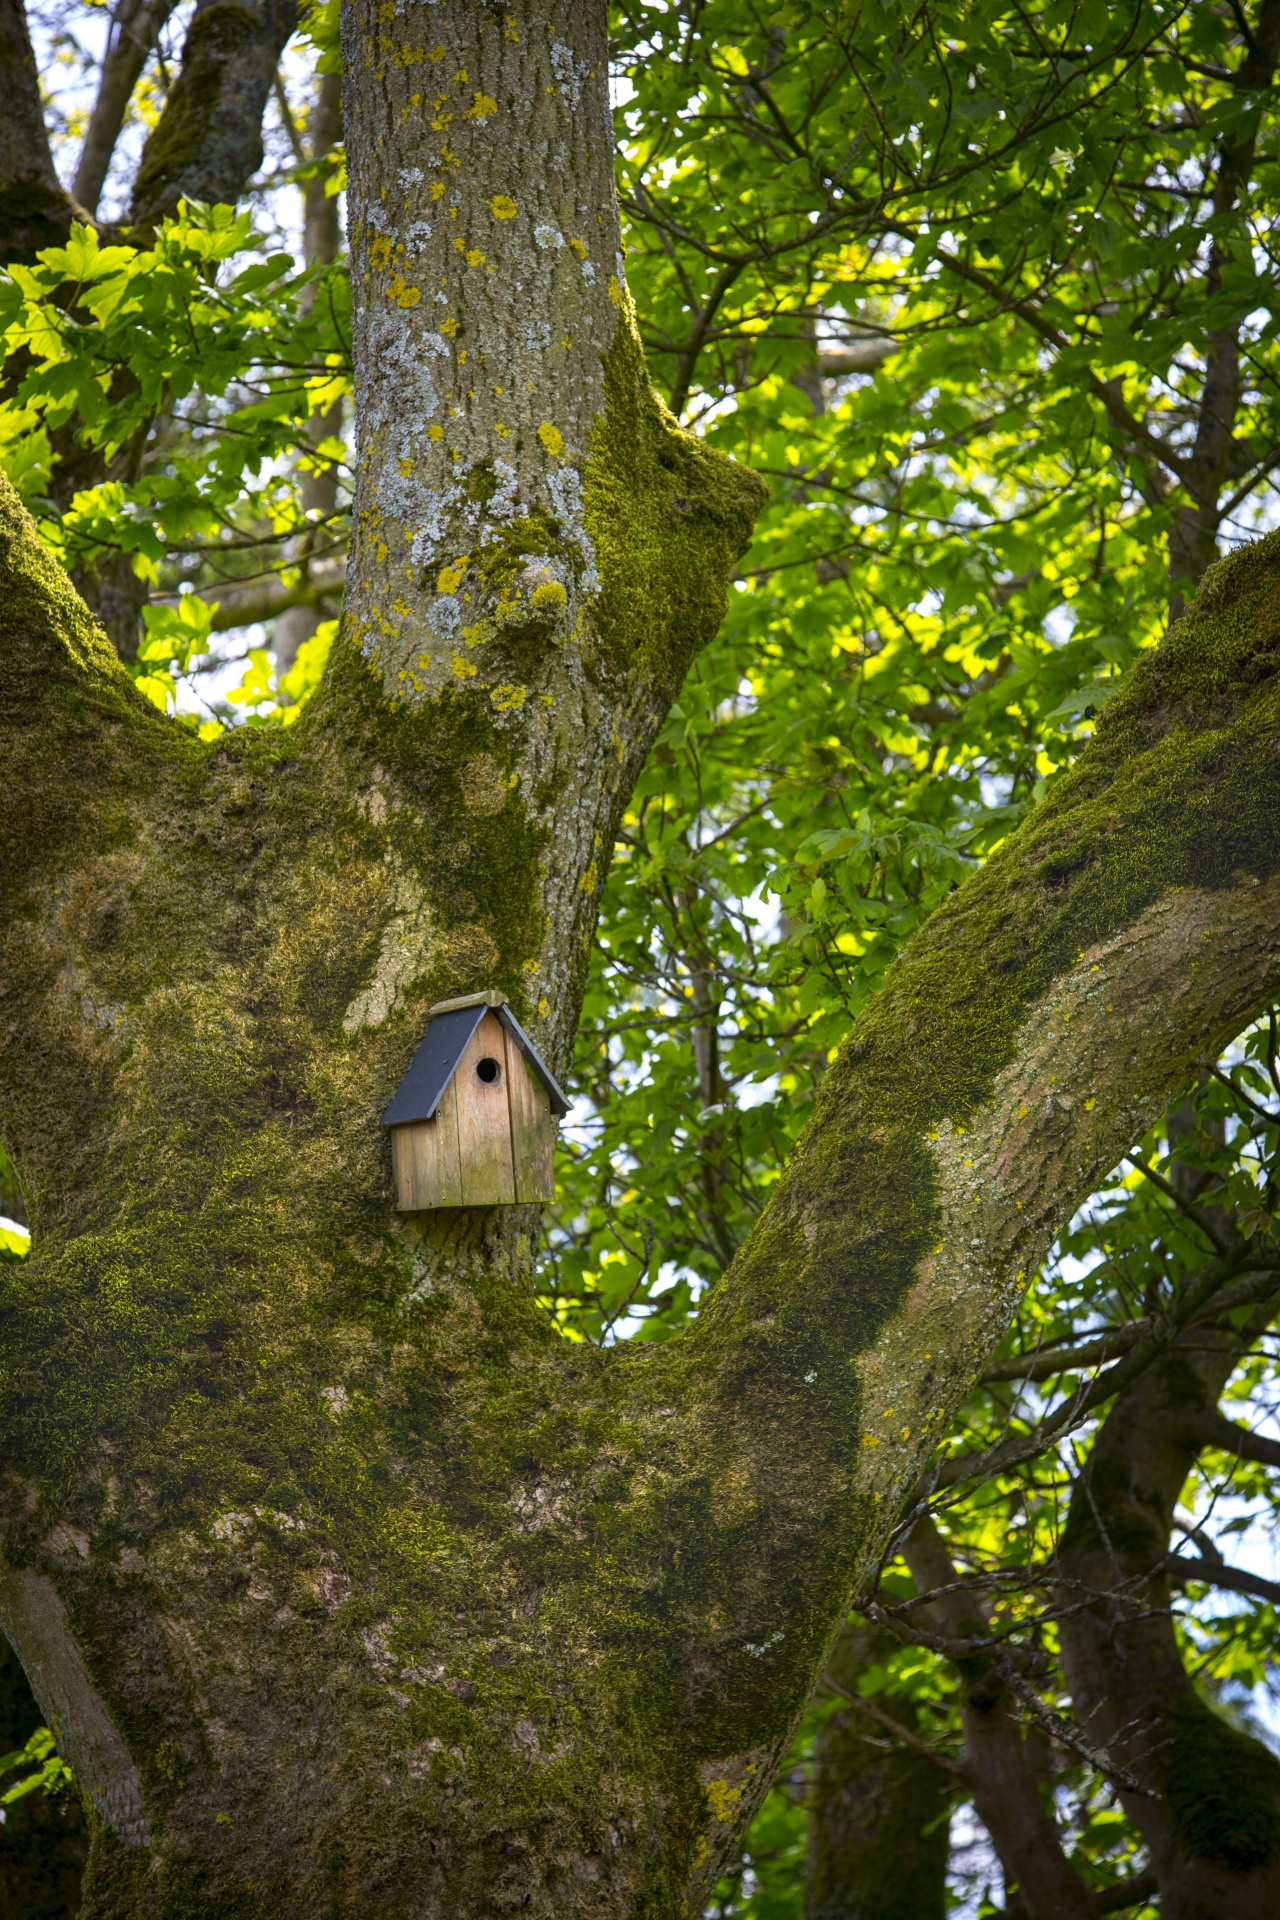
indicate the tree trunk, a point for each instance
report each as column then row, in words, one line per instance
column 998, row 1763
column 135, row 28
column 208, row 141
column 43, row 1842
column 346, row 1585
column 1193, row 534
column 35, row 209
column 206, row 146
column 878, row 1827
column 1213, row 1819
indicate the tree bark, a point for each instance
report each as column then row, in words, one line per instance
column 1193, row 535
column 878, row 1829
column 206, row 146
column 35, row 209
column 207, row 143
column 347, row 1585
column 43, row 1842
column 1213, row 1819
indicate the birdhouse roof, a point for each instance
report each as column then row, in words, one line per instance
column 452, row 1023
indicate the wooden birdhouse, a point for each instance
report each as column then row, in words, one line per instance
column 473, row 1121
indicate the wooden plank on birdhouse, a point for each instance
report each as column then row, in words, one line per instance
column 532, row 1128
column 425, row 1159
column 484, row 1126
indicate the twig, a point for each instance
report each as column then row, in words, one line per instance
column 896, row 1728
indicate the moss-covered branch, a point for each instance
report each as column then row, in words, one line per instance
column 35, row 209
column 207, row 144
column 1020, row 1044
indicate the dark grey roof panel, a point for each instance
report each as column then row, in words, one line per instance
column 559, row 1105
column 433, row 1066
column 436, row 1061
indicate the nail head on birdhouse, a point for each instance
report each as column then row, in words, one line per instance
column 472, row 1123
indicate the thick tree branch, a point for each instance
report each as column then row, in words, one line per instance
column 1005, row 1790
column 1213, row 1429
column 207, row 144
column 1182, row 1569
column 36, row 209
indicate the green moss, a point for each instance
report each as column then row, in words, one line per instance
column 1222, row 1788
column 668, row 518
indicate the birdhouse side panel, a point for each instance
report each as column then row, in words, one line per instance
column 484, row 1126
column 425, row 1159
column 532, row 1128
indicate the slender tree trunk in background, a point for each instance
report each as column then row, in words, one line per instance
column 879, row 1832
column 346, row 1585
column 1193, row 536
column 206, row 146
column 322, row 237
column 998, row 1762
column 705, row 1038
column 135, row 28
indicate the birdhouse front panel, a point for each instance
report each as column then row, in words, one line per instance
column 473, row 1121
column 482, row 1090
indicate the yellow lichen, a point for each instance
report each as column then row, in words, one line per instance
column 465, row 669
column 724, row 1799
column 503, row 207
column 578, row 248
column 482, row 108
column 506, row 698
column 380, row 251
column 549, row 597
column 552, row 439
column 451, row 577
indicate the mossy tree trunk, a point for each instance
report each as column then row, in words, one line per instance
column 346, row 1585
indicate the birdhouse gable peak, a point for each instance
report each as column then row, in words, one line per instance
column 450, row 1028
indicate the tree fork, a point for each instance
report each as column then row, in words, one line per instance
column 379, row 1597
